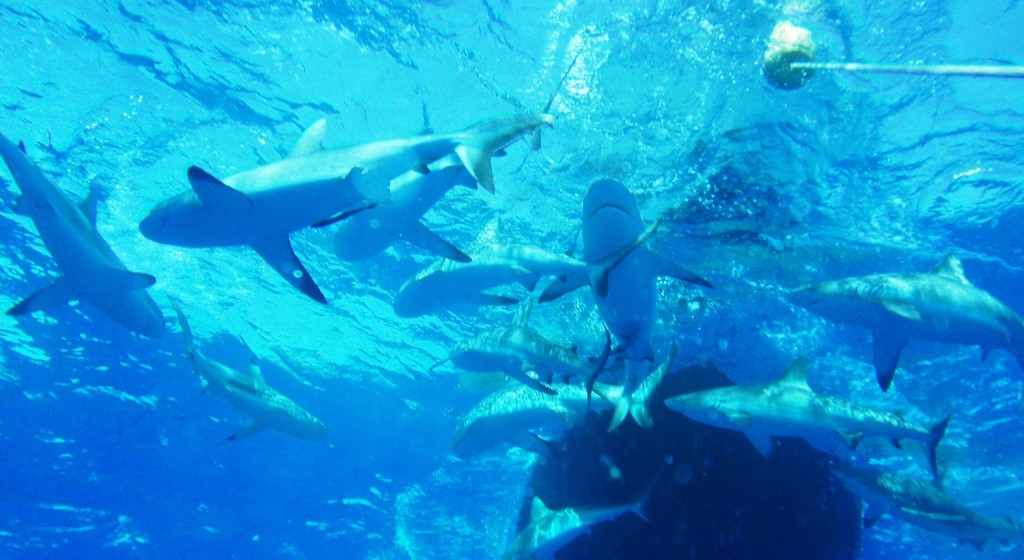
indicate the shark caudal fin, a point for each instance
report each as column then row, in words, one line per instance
column 935, row 435
column 479, row 142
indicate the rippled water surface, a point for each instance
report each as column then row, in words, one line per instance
column 109, row 448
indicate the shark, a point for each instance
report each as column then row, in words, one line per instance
column 261, row 207
column 89, row 269
column 367, row 233
column 790, row 408
column 612, row 222
column 517, row 350
column 551, row 529
column 447, row 284
column 247, row 391
column 923, row 504
column 519, row 416
column 941, row 306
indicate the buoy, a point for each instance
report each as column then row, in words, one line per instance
column 789, row 62
column 787, row 45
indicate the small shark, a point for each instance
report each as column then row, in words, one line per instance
column 519, row 416
column 551, row 529
column 612, row 222
column 923, row 504
column 446, row 284
column 941, row 306
column 517, row 350
column 262, row 206
column 90, row 270
column 248, row 392
column 790, row 408
column 369, row 232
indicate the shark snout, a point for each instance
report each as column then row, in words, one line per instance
column 153, row 224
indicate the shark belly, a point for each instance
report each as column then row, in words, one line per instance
column 629, row 308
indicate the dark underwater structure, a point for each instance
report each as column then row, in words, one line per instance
column 718, row 498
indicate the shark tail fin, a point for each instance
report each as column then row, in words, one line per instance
column 640, row 505
column 935, row 435
column 481, row 141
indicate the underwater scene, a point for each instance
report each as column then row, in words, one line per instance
column 447, row 279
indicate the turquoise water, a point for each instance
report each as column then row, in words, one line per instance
column 110, row 448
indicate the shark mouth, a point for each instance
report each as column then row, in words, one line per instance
column 612, row 205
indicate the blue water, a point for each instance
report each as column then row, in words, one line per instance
column 109, row 449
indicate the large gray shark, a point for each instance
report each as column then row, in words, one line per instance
column 519, row 416
column 366, row 234
column 551, row 529
column 262, row 206
column 448, row 284
column 612, row 221
column 90, row 270
column 248, row 392
column 516, row 350
column 790, row 408
column 923, row 504
column 940, row 306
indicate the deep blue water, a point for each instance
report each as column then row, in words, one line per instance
column 108, row 448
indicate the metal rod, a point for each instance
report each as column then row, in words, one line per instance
column 927, row 69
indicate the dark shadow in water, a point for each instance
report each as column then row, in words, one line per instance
column 719, row 499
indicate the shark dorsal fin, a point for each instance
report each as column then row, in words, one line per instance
column 311, row 141
column 538, row 509
column 523, row 313
column 796, row 374
column 213, row 192
column 950, row 267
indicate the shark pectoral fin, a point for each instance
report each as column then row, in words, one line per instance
column 902, row 309
column 88, row 206
column 561, row 286
column 478, row 163
column 532, row 383
column 978, row 544
column 374, row 186
column 666, row 267
column 741, row 419
column 762, row 442
column 896, row 443
column 214, row 193
column 482, row 298
column 935, row 435
column 243, row 385
column 46, row 298
column 420, row 236
column 278, row 253
column 311, row 141
column 344, row 215
column 873, row 513
column 253, row 428
column 421, row 168
column 130, row 280
column 852, row 439
column 598, row 367
column 887, row 356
